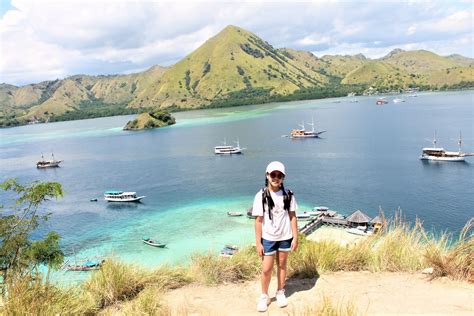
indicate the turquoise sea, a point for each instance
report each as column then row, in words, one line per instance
column 367, row 160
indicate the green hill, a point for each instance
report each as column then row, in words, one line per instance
column 232, row 68
column 232, row 61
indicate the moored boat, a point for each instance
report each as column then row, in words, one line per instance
column 86, row 266
column 381, row 101
column 48, row 163
column 234, row 214
column 153, row 243
column 440, row 154
column 229, row 251
column 227, row 149
column 121, row 196
column 303, row 133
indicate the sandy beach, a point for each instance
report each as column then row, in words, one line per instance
column 338, row 235
column 371, row 294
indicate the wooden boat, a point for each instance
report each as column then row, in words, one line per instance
column 234, row 213
column 48, row 163
column 229, row 251
column 86, row 266
column 153, row 243
column 121, row 196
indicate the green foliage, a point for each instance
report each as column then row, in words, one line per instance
column 18, row 254
column 252, row 51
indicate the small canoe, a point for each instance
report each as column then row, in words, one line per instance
column 94, row 200
column 153, row 243
column 234, row 213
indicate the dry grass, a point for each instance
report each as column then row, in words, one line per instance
column 327, row 307
column 148, row 302
column 455, row 261
column 211, row 269
column 117, row 282
column 399, row 247
column 32, row 296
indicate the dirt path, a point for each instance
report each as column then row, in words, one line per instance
column 371, row 293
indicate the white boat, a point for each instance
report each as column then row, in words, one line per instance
column 304, row 216
column 440, row 154
column 398, row 100
column 48, row 163
column 121, row 196
column 303, row 133
column 153, row 243
column 234, row 214
column 228, row 150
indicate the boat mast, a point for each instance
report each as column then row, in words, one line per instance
column 460, row 141
column 312, row 124
column 302, row 126
column 237, row 142
column 434, row 139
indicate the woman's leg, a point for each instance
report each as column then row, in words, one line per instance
column 267, row 267
column 281, row 257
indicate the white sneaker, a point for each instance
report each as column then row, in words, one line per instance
column 281, row 298
column 262, row 304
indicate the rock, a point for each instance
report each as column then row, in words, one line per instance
column 427, row 271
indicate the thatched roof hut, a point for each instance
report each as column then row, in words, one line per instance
column 358, row 217
column 376, row 220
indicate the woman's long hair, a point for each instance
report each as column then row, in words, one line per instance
column 267, row 201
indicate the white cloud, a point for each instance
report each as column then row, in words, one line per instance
column 47, row 39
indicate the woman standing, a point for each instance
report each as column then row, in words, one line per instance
column 276, row 231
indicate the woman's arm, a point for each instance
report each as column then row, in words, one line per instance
column 294, row 230
column 258, row 235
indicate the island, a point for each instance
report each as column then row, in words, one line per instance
column 149, row 120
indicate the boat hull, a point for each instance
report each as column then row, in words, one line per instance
column 136, row 199
column 434, row 158
column 54, row 164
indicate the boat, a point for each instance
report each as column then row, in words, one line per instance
column 303, row 133
column 227, row 149
column 48, row 163
column 398, row 100
column 440, row 154
column 249, row 213
column 121, row 196
column 234, row 213
column 94, row 200
column 229, row 251
column 153, row 243
column 303, row 216
column 381, row 101
column 86, row 266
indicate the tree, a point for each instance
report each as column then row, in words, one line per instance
column 19, row 255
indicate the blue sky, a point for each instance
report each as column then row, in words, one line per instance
column 49, row 39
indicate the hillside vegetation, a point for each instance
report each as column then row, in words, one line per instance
column 234, row 67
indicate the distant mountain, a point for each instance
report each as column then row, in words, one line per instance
column 232, row 68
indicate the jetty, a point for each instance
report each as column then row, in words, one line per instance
column 333, row 219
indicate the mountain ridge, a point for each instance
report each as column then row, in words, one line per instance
column 233, row 67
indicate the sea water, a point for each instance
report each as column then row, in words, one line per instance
column 368, row 159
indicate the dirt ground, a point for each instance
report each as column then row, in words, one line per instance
column 371, row 294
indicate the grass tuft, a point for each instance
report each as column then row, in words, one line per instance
column 326, row 307
column 211, row 269
column 30, row 295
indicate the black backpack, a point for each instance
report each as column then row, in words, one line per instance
column 268, row 201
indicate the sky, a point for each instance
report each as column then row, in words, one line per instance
column 53, row 39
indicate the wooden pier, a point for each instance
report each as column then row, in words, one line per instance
column 317, row 222
column 311, row 226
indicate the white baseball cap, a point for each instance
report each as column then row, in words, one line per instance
column 276, row 166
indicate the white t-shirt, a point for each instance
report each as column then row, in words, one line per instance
column 279, row 227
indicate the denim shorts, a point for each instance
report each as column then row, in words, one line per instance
column 271, row 247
